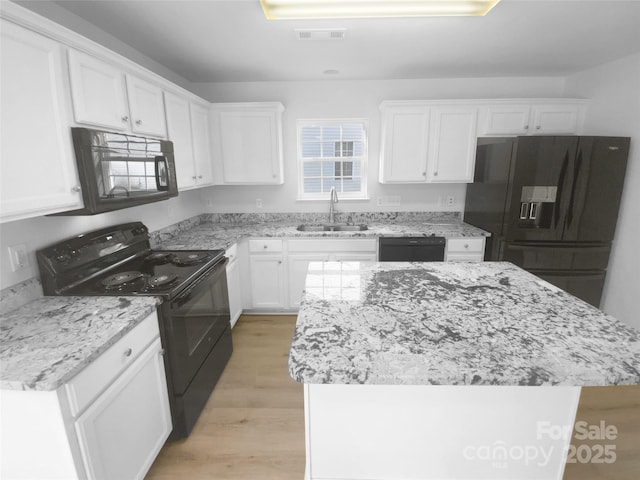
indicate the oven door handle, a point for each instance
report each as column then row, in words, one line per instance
column 210, row 274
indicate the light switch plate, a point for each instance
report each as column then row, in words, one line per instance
column 18, row 257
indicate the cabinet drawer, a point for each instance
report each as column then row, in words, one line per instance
column 466, row 245
column 265, row 245
column 462, row 257
column 94, row 379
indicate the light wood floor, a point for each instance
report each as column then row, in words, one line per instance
column 253, row 427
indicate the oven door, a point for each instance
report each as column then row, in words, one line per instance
column 192, row 324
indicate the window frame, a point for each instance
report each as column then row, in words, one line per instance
column 364, row 158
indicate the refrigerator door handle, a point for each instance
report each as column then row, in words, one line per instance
column 569, row 274
column 561, row 179
column 576, row 175
column 566, row 247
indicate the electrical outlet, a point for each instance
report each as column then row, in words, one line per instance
column 393, row 200
column 18, row 257
column 451, row 200
column 258, row 203
column 380, row 201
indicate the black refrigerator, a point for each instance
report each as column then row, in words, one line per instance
column 551, row 204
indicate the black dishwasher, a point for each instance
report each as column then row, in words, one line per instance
column 411, row 249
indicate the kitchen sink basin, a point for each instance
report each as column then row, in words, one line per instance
column 307, row 227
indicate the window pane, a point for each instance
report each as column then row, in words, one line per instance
column 312, row 185
column 312, row 169
column 329, row 169
column 311, row 150
column 310, row 133
column 352, row 131
column 332, row 182
column 351, row 184
column 331, row 133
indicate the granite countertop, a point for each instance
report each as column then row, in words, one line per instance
column 488, row 323
column 48, row 341
column 211, row 236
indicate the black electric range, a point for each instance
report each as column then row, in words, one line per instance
column 194, row 318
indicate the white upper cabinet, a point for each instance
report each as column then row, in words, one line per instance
column 558, row 117
column 200, row 128
column 452, row 149
column 101, row 99
column 405, row 141
column 179, row 132
column 424, row 142
column 188, row 129
column 146, row 107
column 38, row 177
column 98, row 92
column 507, row 120
column 247, row 140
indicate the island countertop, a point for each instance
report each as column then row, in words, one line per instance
column 487, row 323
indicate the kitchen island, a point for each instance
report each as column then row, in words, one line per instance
column 447, row 370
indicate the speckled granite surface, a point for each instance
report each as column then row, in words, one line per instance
column 48, row 341
column 215, row 231
column 486, row 323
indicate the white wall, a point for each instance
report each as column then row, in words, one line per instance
column 614, row 93
column 354, row 99
column 40, row 232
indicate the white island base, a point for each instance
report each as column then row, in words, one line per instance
column 402, row 432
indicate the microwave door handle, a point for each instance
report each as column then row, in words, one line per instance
column 162, row 173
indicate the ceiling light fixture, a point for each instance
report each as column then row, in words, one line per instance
column 303, row 9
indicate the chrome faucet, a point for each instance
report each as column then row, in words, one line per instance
column 333, row 199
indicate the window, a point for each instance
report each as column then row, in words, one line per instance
column 332, row 153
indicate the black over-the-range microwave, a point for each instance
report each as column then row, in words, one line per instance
column 119, row 170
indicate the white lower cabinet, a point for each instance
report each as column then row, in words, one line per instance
column 303, row 251
column 108, row 422
column 121, row 433
column 278, row 267
column 464, row 249
column 268, row 284
column 234, row 284
column 298, row 264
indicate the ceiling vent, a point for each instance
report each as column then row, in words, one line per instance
column 321, row 34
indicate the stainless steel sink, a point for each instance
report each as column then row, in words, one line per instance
column 308, row 227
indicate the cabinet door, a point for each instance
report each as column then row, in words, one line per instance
column 453, row 144
column 201, row 144
column 38, row 171
column 405, row 140
column 179, row 132
column 507, row 120
column 298, row 267
column 355, row 257
column 97, row 91
column 122, row 432
column 267, row 281
column 250, row 147
column 556, row 119
column 146, row 107
column 234, row 287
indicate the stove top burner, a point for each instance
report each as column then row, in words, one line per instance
column 192, row 258
column 162, row 280
column 120, row 280
column 159, row 257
